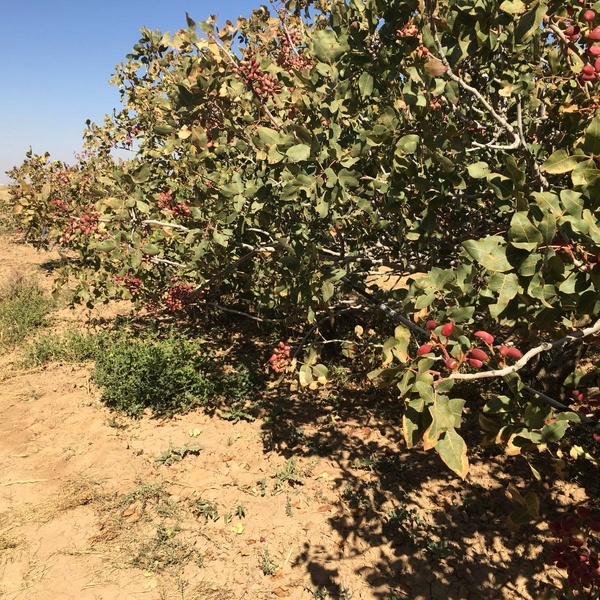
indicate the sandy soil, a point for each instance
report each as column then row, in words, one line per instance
column 318, row 501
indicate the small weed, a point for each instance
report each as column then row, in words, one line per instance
column 336, row 591
column 175, row 454
column 405, row 521
column 356, row 498
column 8, row 542
column 207, row 509
column 266, row 563
column 262, row 486
column 368, row 464
column 239, row 383
column 23, row 308
column 115, row 423
column 163, row 551
column 237, row 412
column 320, row 497
column 240, row 511
column 437, row 550
column 288, row 507
column 70, row 347
column 416, row 531
column 288, row 475
column 150, row 496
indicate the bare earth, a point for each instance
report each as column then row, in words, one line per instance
column 86, row 512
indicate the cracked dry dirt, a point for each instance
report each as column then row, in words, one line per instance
column 87, row 513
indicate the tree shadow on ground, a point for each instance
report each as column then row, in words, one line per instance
column 420, row 530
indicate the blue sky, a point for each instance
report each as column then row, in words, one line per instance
column 59, row 56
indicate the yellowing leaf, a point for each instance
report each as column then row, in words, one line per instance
column 513, row 7
column 435, row 67
column 238, row 528
column 453, row 451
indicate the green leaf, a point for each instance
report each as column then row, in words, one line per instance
column 321, row 373
column 408, row 144
column 305, row 375
column 268, row 136
column 348, row 178
column 106, row 246
column 479, row 170
column 591, row 145
column 326, row 46
column 547, row 227
column 442, row 419
column 365, row 84
column 555, row 431
column 328, row 290
column 560, row 162
column 456, row 406
column 425, row 391
column 411, row 421
column 523, row 233
column 489, row 252
column 513, row 7
column 220, row 238
column 150, row 249
column 299, row 152
column 518, row 517
column 163, row 129
column 141, row 174
column 585, row 173
column 453, row 451
column 498, row 405
column 506, row 286
column 531, row 20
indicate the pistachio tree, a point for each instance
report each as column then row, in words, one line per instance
column 286, row 156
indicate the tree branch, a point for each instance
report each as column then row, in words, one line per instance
column 163, row 224
column 243, row 314
column 473, row 91
column 545, row 347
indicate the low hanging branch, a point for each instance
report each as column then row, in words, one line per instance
column 545, row 347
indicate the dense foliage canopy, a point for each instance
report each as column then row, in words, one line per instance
column 281, row 157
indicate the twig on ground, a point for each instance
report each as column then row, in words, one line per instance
column 23, row 481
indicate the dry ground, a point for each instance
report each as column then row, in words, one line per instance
column 314, row 502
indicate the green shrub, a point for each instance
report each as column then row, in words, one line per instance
column 23, row 308
column 166, row 376
column 70, row 347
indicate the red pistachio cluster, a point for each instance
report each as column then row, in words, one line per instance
column 410, row 29
column 475, row 357
column 288, row 58
column 280, row 358
column 132, row 284
column 167, row 202
column 84, row 225
column 60, row 207
column 584, row 31
column 176, row 298
column 577, row 552
column 263, row 84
